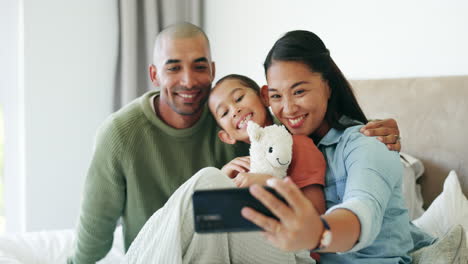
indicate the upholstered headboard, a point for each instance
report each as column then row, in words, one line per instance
column 432, row 116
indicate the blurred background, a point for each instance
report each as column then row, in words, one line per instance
column 66, row 65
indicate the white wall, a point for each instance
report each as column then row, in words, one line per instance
column 367, row 39
column 70, row 52
column 10, row 101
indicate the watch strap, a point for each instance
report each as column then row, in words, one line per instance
column 326, row 237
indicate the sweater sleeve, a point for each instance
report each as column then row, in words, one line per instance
column 103, row 198
column 308, row 164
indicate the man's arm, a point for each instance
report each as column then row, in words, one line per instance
column 103, row 201
column 386, row 131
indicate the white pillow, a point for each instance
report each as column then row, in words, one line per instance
column 412, row 170
column 448, row 209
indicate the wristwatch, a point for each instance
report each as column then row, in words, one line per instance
column 326, row 237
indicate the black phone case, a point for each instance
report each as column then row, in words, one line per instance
column 219, row 210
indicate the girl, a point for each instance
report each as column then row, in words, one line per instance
column 234, row 101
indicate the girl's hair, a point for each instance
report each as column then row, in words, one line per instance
column 242, row 79
column 307, row 48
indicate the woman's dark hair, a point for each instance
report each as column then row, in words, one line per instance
column 242, row 79
column 307, row 48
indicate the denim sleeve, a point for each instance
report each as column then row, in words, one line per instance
column 372, row 173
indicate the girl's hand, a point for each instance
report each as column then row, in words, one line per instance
column 248, row 179
column 299, row 226
column 237, row 165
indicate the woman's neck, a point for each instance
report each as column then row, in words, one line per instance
column 320, row 132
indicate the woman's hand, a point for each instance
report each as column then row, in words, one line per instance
column 235, row 166
column 248, row 179
column 299, row 226
column 386, row 132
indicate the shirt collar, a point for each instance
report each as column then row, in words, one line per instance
column 333, row 136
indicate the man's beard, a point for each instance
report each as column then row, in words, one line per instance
column 201, row 103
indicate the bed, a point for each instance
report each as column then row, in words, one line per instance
column 431, row 116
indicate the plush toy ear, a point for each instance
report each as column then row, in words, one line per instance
column 255, row 131
column 284, row 128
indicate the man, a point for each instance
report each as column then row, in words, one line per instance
column 146, row 150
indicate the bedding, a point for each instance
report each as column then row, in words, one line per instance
column 49, row 247
column 413, row 169
column 448, row 209
column 450, row 248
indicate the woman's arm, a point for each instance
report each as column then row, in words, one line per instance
column 345, row 228
column 372, row 174
column 300, row 226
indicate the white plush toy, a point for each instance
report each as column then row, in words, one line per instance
column 270, row 149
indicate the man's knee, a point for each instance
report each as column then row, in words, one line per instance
column 209, row 171
column 211, row 177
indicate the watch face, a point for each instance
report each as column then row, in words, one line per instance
column 326, row 239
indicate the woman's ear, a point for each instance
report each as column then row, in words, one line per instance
column 329, row 90
column 264, row 95
column 225, row 137
column 153, row 75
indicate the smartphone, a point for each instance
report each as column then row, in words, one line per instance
column 219, row 210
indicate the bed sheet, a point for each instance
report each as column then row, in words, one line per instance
column 49, row 247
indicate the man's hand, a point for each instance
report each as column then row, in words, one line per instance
column 237, row 165
column 386, row 132
column 248, row 179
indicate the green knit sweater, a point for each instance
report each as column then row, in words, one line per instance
column 138, row 162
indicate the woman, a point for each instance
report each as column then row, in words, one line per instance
column 366, row 217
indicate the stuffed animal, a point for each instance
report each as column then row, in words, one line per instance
column 270, row 149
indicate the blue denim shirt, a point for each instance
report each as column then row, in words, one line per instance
column 364, row 177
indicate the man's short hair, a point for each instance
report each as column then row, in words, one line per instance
column 178, row 30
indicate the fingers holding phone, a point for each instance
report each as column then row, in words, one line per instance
column 299, row 224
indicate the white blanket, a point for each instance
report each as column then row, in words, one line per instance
column 49, row 247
